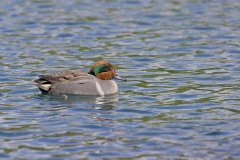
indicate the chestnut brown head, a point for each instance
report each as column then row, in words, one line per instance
column 104, row 70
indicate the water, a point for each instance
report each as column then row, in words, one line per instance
column 181, row 59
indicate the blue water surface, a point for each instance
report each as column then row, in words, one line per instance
column 182, row 60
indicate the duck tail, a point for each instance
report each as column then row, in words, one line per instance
column 43, row 85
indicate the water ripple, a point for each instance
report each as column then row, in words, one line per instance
column 181, row 60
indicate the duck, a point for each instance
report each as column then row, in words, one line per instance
column 98, row 81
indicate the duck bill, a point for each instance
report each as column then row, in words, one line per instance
column 119, row 78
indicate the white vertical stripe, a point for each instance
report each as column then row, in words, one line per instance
column 99, row 88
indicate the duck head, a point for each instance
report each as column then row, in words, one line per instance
column 104, row 70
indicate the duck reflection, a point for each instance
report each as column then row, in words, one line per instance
column 101, row 102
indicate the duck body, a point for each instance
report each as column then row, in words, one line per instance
column 78, row 82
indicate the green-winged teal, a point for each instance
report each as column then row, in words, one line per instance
column 97, row 82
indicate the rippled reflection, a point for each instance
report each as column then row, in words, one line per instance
column 104, row 101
